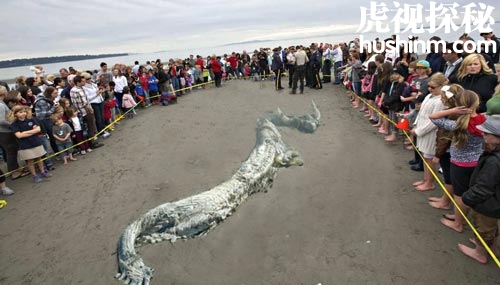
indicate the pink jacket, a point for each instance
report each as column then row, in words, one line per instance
column 128, row 101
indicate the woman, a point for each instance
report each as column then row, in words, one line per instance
column 475, row 75
column 120, row 82
column 27, row 96
column 7, row 139
column 96, row 101
column 44, row 107
column 493, row 105
column 380, row 85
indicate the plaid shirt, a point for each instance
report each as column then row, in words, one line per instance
column 79, row 99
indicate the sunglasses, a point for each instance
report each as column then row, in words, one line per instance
column 432, row 87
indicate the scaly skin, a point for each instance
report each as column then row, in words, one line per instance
column 196, row 215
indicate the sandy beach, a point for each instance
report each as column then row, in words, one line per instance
column 349, row 215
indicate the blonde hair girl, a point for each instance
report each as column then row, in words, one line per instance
column 442, row 154
column 426, row 131
column 465, row 149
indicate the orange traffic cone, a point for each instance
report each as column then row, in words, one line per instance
column 403, row 124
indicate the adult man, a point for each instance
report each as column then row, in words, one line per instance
column 327, row 64
column 290, row 65
column 64, row 73
column 104, row 76
column 301, row 61
column 192, row 61
column 492, row 41
column 453, row 61
column 65, row 93
column 315, row 65
column 136, row 67
column 435, row 58
column 245, row 57
column 263, row 64
column 338, row 61
column 79, row 100
column 277, row 67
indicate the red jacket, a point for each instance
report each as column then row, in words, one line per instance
column 144, row 82
column 216, row 66
column 108, row 106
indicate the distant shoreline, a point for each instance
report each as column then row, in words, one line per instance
column 53, row 59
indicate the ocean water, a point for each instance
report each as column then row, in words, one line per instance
column 91, row 64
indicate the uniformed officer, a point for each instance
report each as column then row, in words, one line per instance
column 277, row 67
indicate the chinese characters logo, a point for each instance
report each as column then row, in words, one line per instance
column 417, row 20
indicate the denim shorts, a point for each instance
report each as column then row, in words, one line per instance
column 64, row 145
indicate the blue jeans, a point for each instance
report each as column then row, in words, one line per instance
column 146, row 95
column 175, row 84
column 45, row 142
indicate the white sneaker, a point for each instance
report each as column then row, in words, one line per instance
column 7, row 191
column 105, row 134
column 82, row 152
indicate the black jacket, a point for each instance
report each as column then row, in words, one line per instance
column 481, row 83
column 484, row 188
column 277, row 63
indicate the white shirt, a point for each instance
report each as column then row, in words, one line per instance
column 76, row 124
column 290, row 58
column 91, row 92
column 337, row 55
column 120, row 82
column 327, row 54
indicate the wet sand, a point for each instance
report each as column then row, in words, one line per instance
column 348, row 216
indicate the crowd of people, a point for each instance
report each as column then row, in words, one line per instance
column 452, row 101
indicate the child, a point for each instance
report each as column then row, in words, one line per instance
column 128, row 103
column 412, row 118
column 483, row 194
column 144, row 81
column 153, row 88
column 30, row 145
column 426, row 130
column 76, row 125
column 109, row 107
column 189, row 81
column 391, row 99
column 4, row 190
column 442, row 155
column 62, row 134
column 246, row 71
column 465, row 149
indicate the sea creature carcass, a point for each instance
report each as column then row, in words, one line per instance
column 198, row 214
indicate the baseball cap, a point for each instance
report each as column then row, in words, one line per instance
column 423, row 63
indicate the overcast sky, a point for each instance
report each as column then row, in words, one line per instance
column 33, row 28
